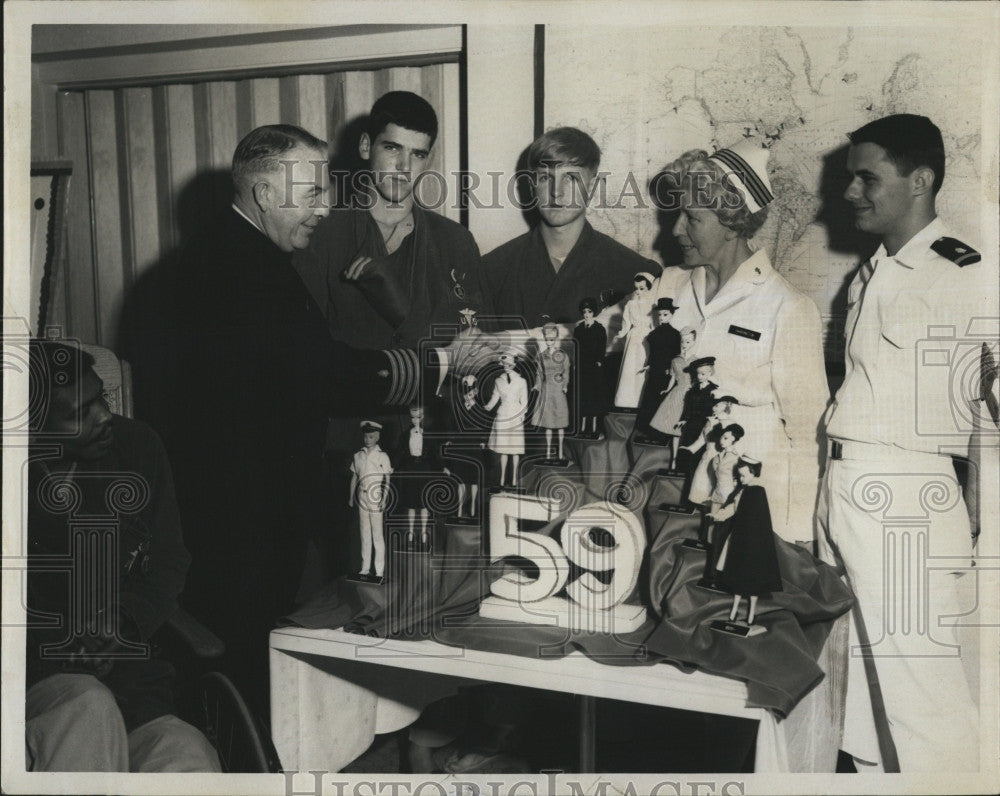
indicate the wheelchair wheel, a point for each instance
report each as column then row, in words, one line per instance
column 234, row 732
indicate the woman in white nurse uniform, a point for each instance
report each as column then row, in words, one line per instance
column 764, row 333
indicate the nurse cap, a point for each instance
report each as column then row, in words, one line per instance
column 745, row 163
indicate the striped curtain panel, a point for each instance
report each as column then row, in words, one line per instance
column 152, row 163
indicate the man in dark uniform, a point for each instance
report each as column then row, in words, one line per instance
column 257, row 376
column 662, row 345
column 563, row 260
column 384, row 270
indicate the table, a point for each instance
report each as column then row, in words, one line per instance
column 332, row 691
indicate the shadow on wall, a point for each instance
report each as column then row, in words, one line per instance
column 149, row 307
column 345, row 160
column 835, row 214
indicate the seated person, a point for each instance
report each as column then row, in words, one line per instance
column 96, row 700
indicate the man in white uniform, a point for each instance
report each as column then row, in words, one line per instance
column 890, row 507
column 764, row 334
column 370, row 471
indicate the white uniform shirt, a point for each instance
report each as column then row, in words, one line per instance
column 767, row 341
column 370, row 466
column 913, row 348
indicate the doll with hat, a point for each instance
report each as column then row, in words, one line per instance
column 370, row 471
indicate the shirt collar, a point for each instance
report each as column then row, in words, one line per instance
column 753, row 271
column 913, row 253
column 756, row 269
column 248, row 219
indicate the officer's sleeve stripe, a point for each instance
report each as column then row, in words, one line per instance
column 403, row 381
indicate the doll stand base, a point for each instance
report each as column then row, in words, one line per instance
column 741, row 629
column 554, row 462
column 712, row 585
column 462, row 520
column 642, row 439
column 626, row 410
column 696, row 544
column 676, row 508
column 590, row 436
column 376, row 580
column 510, row 490
column 560, row 612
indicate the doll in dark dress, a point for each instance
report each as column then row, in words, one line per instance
column 662, row 344
column 418, row 463
column 698, row 402
column 468, row 426
column 747, row 564
column 591, row 387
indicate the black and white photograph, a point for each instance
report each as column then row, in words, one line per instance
column 489, row 399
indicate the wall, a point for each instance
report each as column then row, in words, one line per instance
column 151, row 161
column 659, row 90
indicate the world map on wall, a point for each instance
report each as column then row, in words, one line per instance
column 653, row 93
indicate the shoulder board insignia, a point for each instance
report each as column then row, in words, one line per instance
column 956, row 251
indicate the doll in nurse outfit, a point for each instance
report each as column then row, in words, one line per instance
column 747, row 565
column 714, row 478
column 637, row 322
column 510, row 397
column 551, row 382
column 722, row 415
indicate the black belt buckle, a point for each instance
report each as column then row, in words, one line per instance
column 836, row 450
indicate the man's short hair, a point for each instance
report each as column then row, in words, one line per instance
column 403, row 108
column 566, row 146
column 709, row 182
column 910, row 141
column 52, row 366
column 261, row 149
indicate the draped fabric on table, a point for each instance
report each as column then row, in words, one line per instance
column 436, row 595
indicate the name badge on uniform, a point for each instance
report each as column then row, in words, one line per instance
column 750, row 334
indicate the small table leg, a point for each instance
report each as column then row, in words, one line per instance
column 588, row 733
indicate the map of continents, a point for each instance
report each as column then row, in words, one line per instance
column 648, row 94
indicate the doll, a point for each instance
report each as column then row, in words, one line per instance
column 551, row 382
column 592, row 342
column 417, row 463
column 510, row 396
column 715, row 476
column 667, row 418
column 636, row 324
column 722, row 415
column 662, row 345
column 698, row 402
column 370, row 471
column 468, row 428
column 747, row 563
